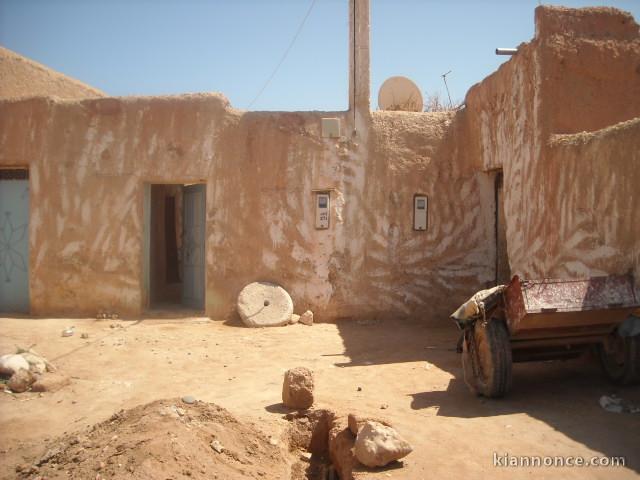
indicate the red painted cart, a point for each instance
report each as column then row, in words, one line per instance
column 549, row 319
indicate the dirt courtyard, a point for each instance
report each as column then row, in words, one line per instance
column 410, row 369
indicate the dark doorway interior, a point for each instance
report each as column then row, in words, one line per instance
column 171, row 236
column 165, row 246
column 503, row 270
column 176, row 247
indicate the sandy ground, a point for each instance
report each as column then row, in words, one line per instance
column 411, row 368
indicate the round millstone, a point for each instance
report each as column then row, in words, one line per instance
column 263, row 304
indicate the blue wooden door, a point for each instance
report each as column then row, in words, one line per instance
column 14, row 245
column 193, row 286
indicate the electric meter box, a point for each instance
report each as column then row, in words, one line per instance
column 420, row 212
column 322, row 210
column 331, row 127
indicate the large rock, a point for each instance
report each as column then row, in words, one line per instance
column 378, row 445
column 262, row 304
column 10, row 364
column 297, row 389
column 21, row 381
column 356, row 422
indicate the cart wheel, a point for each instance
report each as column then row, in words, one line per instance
column 620, row 358
column 486, row 359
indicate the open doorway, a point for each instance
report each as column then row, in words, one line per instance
column 175, row 246
column 503, row 270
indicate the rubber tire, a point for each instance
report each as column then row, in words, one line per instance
column 488, row 363
column 629, row 372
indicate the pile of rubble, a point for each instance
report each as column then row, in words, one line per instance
column 27, row 370
column 170, row 438
column 350, row 442
column 188, row 437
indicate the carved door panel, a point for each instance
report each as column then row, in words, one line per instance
column 14, row 243
column 194, row 246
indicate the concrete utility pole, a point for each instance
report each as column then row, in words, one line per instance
column 359, row 75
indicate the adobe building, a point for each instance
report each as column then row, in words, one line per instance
column 135, row 203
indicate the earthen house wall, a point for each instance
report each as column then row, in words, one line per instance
column 89, row 161
column 571, row 211
column 568, row 200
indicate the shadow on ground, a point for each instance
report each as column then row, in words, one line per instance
column 563, row 394
column 382, row 342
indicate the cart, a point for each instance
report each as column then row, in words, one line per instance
column 549, row 319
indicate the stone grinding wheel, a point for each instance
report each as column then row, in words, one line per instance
column 263, row 304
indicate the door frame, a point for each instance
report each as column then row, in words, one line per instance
column 25, row 168
column 501, row 240
column 145, row 214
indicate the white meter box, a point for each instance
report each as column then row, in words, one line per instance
column 322, row 210
column 331, row 127
column 420, row 212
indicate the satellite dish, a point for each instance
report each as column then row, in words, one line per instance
column 400, row 93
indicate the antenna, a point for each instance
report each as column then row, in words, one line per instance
column 444, row 79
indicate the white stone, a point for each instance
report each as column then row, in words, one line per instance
column 378, row 445
column 68, row 332
column 262, row 304
column 217, row 446
column 294, row 319
column 307, row 318
column 10, row 364
column 37, row 364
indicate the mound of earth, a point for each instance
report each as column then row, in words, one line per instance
column 165, row 439
column 23, row 77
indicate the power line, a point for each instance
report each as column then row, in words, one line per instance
column 284, row 55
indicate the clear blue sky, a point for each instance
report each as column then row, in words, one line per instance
column 149, row 47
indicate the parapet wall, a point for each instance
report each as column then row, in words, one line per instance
column 590, row 61
column 602, row 23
